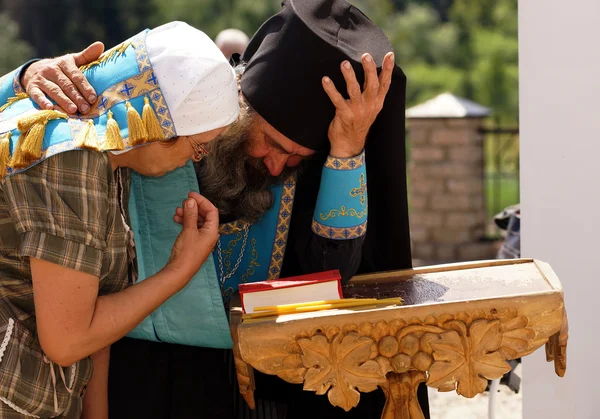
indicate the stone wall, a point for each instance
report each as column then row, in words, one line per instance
column 447, row 199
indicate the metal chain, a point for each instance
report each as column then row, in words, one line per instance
column 237, row 264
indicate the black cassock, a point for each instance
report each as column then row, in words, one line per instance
column 156, row 380
column 386, row 246
column 286, row 60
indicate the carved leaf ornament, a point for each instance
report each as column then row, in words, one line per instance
column 459, row 352
column 345, row 364
column 467, row 357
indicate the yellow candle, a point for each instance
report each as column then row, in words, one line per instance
column 292, row 309
column 311, row 303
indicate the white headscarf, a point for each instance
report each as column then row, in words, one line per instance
column 197, row 81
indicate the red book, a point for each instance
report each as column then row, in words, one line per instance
column 293, row 290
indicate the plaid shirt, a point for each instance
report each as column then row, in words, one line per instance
column 65, row 210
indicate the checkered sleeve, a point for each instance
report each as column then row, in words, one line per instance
column 59, row 208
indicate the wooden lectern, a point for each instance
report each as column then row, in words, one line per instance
column 458, row 326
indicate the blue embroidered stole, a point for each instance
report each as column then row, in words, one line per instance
column 250, row 253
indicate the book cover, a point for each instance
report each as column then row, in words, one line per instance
column 291, row 282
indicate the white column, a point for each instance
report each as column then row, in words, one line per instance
column 560, row 190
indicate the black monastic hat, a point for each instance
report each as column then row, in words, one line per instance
column 290, row 54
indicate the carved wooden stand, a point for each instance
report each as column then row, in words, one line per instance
column 447, row 349
column 401, row 395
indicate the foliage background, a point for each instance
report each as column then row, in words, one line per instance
column 466, row 47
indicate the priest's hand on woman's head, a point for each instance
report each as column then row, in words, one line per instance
column 61, row 80
column 354, row 117
column 198, row 237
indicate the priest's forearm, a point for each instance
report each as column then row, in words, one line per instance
column 340, row 217
column 329, row 232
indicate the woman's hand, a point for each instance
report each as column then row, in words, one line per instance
column 200, row 232
column 354, row 117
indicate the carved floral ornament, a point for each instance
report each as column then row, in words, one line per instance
column 459, row 352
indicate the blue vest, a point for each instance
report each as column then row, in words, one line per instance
column 246, row 253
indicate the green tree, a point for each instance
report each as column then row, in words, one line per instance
column 56, row 27
column 379, row 11
column 495, row 75
column 488, row 54
column 13, row 51
column 212, row 16
column 465, row 47
column 474, row 54
column 426, row 81
column 425, row 49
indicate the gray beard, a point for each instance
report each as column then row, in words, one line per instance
column 235, row 182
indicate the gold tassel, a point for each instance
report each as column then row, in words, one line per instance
column 137, row 131
column 27, row 122
column 4, row 153
column 29, row 147
column 11, row 100
column 114, row 140
column 33, row 128
column 155, row 132
column 89, row 137
column 108, row 55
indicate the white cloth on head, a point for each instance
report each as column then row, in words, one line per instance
column 197, row 81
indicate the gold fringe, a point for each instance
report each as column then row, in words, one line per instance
column 27, row 122
column 137, row 131
column 155, row 132
column 13, row 99
column 89, row 137
column 114, row 140
column 4, row 153
column 29, row 148
column 33, row 128
column 108, row 55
